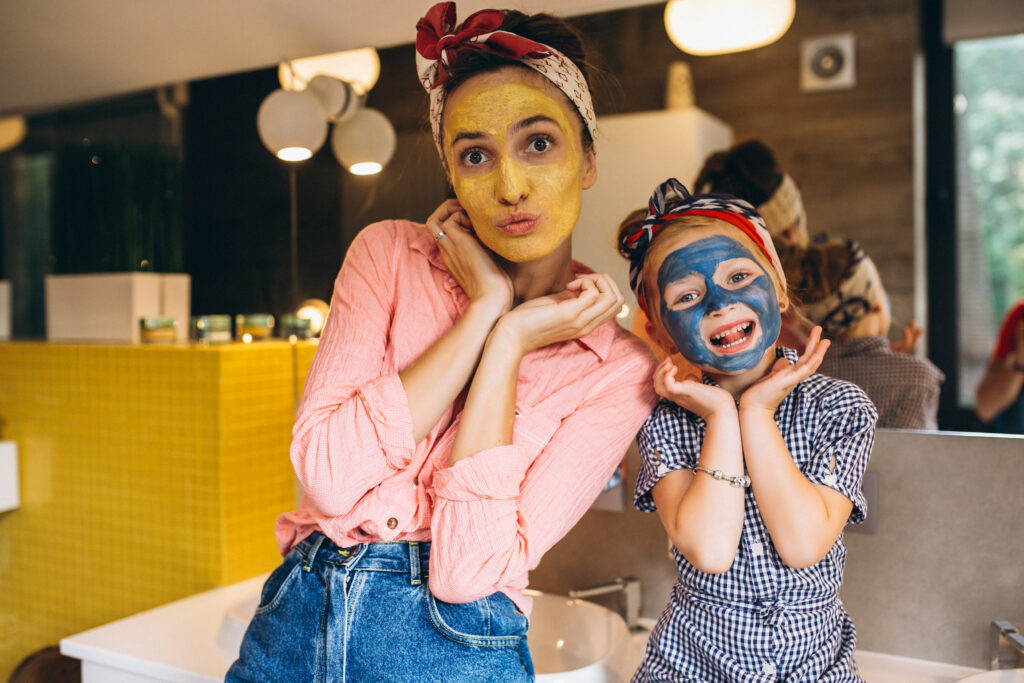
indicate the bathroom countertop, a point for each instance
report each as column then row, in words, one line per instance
column 174, row 642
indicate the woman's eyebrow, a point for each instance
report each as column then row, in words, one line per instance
column 527, row 122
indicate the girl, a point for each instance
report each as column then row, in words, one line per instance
column 755, row 470
column 470, row 395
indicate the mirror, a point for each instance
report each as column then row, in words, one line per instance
column 857, row 152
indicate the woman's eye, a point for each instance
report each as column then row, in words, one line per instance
column 473, row 157
column 540, row 144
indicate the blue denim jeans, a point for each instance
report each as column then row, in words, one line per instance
column 365, row 614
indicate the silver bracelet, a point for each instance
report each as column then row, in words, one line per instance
column 737, row 482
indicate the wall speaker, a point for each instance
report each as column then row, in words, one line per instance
column 828, row 63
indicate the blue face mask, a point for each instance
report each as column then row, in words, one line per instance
column 756, row 292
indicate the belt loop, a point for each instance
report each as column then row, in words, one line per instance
column 414, row 563
column 311, row 556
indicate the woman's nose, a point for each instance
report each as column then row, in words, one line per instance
column 512, row 185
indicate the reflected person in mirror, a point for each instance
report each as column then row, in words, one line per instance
column 471, row 392
column 755, row 466
column 841, row 291
column 999, row 398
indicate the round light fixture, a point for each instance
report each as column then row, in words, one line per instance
column 338, row 98
column 12, row 132
column 315, row 311
column 292, row 124
column 365, row 143
column 714, row 27
column 360, row 67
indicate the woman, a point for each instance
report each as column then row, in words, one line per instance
column 471, row 392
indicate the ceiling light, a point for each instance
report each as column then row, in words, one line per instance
column 714, row 27
column 292, row 124
column 364, row 143
column 360, row 67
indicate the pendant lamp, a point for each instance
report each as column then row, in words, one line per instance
column 365, row 142
column 714, row 27
column 291, row 124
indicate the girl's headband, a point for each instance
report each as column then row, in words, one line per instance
column 439, row 42
column 671, row 200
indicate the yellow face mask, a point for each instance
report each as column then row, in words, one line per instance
column 513, row 147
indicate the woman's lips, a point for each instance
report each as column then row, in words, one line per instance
column 732, row 337
column 519, row 223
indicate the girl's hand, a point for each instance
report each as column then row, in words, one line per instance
column 911, row 333
column 700, row 399
column 585, row 303
column 469, row 262
column 767, row 393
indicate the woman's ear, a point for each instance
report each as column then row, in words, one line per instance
column 589, row 169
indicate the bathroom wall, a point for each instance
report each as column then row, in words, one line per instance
column 945, row 558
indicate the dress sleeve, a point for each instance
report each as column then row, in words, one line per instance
column 670, row 440
column 497, row 512
column 353, row 427
column 846, row 435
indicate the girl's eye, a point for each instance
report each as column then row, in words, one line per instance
column 686, row 298
column 738, row 277
column 473, row 157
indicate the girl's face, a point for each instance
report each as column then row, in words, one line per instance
column 717, row 302
column 513, row 148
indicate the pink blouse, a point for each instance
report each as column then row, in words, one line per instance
column 493, row 515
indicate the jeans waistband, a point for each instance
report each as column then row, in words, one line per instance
column 411, row 557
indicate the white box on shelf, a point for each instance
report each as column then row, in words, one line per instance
column 9, row 499
column 105, row 307
column 5, row 310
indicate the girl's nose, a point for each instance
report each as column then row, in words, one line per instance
column 717, row 301
column 512, row 186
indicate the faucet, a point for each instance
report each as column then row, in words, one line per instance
column 628, row 587
column 1006, row 645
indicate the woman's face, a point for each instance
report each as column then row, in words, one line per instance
column 718, row 304
column 512, row 143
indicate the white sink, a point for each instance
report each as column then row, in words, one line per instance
column 572, row 641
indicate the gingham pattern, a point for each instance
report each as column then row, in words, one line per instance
column 904, row 388
column 762, row 620
column 438, row 42
column 672, row 200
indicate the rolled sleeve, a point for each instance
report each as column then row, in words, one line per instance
column 494, row 474
column 387, row 407
column 669, row 440
column 847, row 437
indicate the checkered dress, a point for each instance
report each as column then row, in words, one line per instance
column 761, row 620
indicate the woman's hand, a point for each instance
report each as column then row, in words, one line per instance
column 700, row 399
column 469, row 262
column 585, row 303
column 767, row 393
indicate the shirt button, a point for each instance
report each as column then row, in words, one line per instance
column 768, row 669
column 392, row 523
column 756, row 547
column 830, row 479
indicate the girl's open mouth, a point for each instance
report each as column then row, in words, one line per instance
column 734, row 337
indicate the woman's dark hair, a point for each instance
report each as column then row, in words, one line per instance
column 747, row 170
column 542, row 28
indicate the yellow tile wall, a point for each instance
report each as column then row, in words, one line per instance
column 148, row 473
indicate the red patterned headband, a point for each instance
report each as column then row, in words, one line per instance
column 439, row 40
